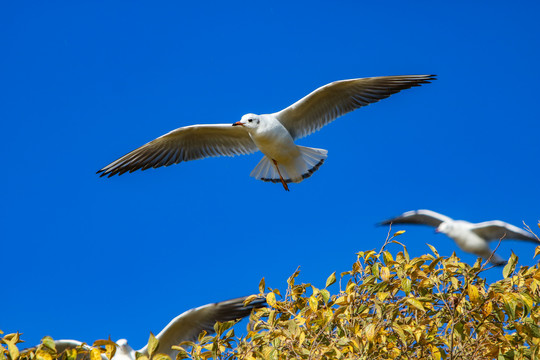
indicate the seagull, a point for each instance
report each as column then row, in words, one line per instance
column 272, row 134
column 185, row 327
column 470, row 237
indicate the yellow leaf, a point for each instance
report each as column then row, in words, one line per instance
column 95, row 354
column 370, row 332
column 313, row 303
column 415, row 303
column 161, row 356
column 474, row 296
column 342, row 300
column 43, row 355
column 509, row 268
column 153, row 343
column 397, row 233
column 435, row 353
column 387, row 257
column 331, row 279
column 249, row 299
column 384, row 273
column 13, row 351
column 433, row 250
column 487, row 309
column 271, row 299
column 262, row 286
column 301, row 338
column 536, row 251
column 71, row 354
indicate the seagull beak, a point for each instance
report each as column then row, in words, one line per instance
column 237, row 123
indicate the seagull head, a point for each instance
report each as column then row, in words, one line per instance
column 124, row 350
column 444, row 228
column 249, row 121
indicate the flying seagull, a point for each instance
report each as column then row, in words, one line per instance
column 185, row 327
column 272, row 134
column 470, row 237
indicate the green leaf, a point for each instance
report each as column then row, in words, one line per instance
column 406, row 285
column 325, row 295
column 152, row 344
column 48, row 342
column 331, row 279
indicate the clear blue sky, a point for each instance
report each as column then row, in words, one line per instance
column 83, row 83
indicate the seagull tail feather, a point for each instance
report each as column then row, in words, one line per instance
column 304, row 166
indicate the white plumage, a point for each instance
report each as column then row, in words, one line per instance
column 185, row 327
column 470, row 237
column 272, row 134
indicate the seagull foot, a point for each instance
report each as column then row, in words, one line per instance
column 281, row 177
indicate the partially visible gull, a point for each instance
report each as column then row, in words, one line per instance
column 272, row 134
column 185, row 327
column 470, row 237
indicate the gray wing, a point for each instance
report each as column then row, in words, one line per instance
column 188, row 326
column 496, row 229
column 422, row 217
column 184, row 144
column 329, row 102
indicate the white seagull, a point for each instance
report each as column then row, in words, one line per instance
column 272, row 134
column 185, row 327
column 470, row 237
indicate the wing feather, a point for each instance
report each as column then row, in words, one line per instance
column 496, row 229
column 188, row 325
column 422, row 217
column 184, row 144
column 330, row 101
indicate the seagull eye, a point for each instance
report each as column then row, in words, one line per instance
column 250, row 120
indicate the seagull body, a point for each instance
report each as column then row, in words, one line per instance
column 185, row 327
column 470, row 237
column 272, row 134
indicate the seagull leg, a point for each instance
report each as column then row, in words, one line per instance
column 281, row 177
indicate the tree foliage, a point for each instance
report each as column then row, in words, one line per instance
column 386, row 307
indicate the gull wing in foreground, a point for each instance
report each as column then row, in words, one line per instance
column 330, row 101
column 184, row 144
column 422, row 217
column 496, row 229
column 188, row 325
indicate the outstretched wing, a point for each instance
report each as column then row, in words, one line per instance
column 496, row 229
column 188, row 326
column 184, row 144
column 330, row 101
column 422, row 217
